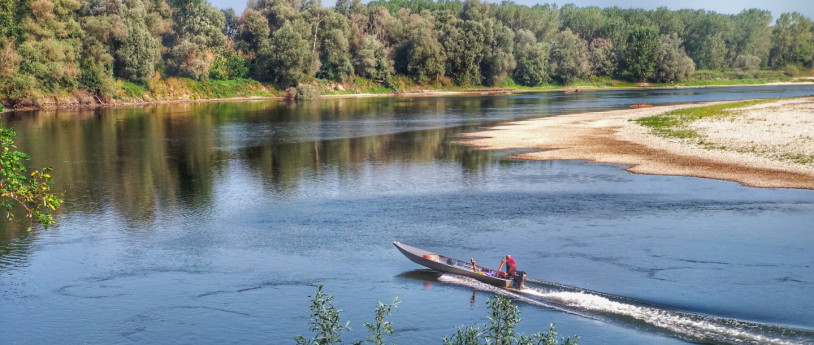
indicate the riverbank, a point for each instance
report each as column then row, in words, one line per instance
column 184, row 90
column 764, row 145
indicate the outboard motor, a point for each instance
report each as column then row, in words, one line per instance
column 519, row 279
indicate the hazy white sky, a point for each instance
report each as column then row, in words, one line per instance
column 805, row 7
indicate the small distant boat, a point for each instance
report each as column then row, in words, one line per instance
column 640, row 105
column 447, row 264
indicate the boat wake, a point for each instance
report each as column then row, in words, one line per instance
column 685, row 325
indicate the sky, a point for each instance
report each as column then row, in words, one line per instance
column 777, row 7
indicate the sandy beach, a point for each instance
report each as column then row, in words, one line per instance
column 767, row 145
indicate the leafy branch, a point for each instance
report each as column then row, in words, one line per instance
column 32, row 192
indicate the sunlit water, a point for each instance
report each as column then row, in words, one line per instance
column 213, row 223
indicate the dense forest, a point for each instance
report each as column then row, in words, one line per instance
column 100, row 47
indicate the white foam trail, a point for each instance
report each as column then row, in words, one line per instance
column 470, row 282
column 693, row 325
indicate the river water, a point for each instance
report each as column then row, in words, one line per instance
column 214, row 223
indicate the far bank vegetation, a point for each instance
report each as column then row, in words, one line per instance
column 107, row 51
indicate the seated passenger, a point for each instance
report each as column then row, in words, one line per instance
column 511, row 267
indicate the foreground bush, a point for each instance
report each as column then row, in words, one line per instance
column 504, row 316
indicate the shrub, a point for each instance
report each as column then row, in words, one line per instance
column 746, row 66
column 327, row 325
column 325, row 321
column 503, row 319
column 301, row 92
column 227, row 67
column 791, row 71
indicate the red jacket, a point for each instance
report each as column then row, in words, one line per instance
column 510, row 267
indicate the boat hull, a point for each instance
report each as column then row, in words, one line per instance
column 446, row 264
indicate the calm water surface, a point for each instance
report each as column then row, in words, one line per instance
column 213, row 223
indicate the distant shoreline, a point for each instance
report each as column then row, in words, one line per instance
column 76, row 103
column 611, row 137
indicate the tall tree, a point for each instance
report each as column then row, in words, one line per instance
column 642, row 52
column 709, row 38
column 602, row 57
column 542, row 20
column 333, row 49
column 532, row 60
column 672, row 63
column 425, row 56
column 287, row 59
column 103, row 26
column 569, row 56
column 583, row 21
column 464, row 47
column 253, row 33
column 498, row 60
column 793, row 42
column 371, row 60
column 51, row 48
column 198, row 35
column 752, row 34
column 140, row 50
column 277, row 12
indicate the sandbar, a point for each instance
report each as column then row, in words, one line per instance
column 754, row 142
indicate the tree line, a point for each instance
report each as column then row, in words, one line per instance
column 52, row 47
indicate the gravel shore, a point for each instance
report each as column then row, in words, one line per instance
column 767, row 145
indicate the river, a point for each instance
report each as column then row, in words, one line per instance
column 213, row 223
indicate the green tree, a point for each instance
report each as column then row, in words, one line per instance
column 752, row 34
column 252, row 34
column 709, row 38
column 230, row 30
column 103, row 27
column 7, row 14
column 332, row 46
column 399, row 31
column 287, row 59
column 532, row 60
column 137, row 53
column 51, row 47
column 277, row 12
column 569, row 56
column 426, row 58
column 198, row 35
column 498, row 60
column 542, row 20
column 793, row 43
column 668, row 22
column 602, row 57
column 642, row 52
column 371, row 60
column 585, row 21
column 672, row 63
column 32, row 193
column 464, row 48
column 617, row 30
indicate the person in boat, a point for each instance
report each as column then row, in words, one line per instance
column 511, row 267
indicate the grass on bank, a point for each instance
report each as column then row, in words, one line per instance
column 159, row 89
column 675, row 124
